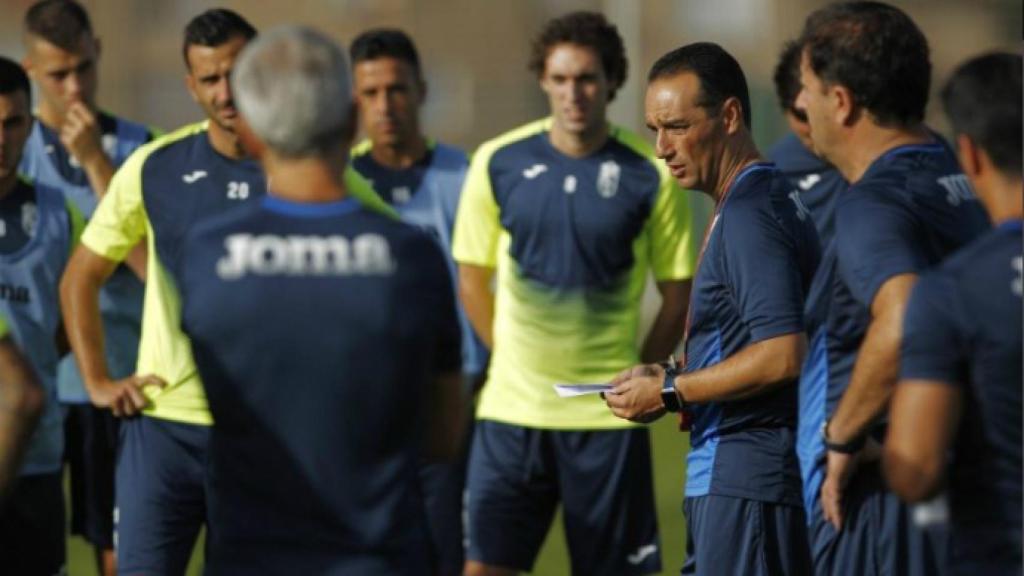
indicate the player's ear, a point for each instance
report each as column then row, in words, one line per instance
column 969, row 155
column 732, row 114
column 190, row 83
column 843, row 105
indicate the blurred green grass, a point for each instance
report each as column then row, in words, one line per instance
column 668, row 447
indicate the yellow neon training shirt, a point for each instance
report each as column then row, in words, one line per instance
column 572, row 241
column 159, row 193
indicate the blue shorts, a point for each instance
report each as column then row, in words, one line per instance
column 161, row 495
column 32, row 526
column 727, row 535
column 878, row 535
column 518, row 476
column 90, row 448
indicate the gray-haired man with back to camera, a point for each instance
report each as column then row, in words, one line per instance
column 313, row 462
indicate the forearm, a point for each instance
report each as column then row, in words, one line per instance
column 908, row 478
column 478, row 301
column 669, row 324
column 447, row 417
column 80, row 289
column 21, row 403
column 923, row 422
column 871, row 384
column 99, row 171
column 753, row 371
column 137, row 259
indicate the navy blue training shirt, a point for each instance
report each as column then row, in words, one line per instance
column 815, row 184
column 911, row 209
column 750, row 286
column 963, row 328
column 318, row 331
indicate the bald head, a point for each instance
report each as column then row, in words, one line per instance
column 292, row 86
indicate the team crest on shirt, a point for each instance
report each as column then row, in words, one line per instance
column 29, row 219
column 608, row 178
column 401, row 194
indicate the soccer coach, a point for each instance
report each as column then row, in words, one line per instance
column 745, row 333
column 297, row 307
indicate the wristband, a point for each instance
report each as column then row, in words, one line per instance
column 670, row 396
column 849, row 447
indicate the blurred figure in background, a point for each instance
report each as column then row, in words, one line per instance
column 75, row 147
column 422, row 180
column 157, row 195
column 959, row 395
column 39, row 227
column 22, row 400
column 865, row 74
column 314, row 457
column 816, row 185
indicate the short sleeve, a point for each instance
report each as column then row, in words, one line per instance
column 477, row 224
column 876, row 239
column 764, row 269
column 933, row 346
column 673, row 250
column 119, row 222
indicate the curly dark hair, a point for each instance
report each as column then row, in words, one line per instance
column 587, row 29
column 875, row 51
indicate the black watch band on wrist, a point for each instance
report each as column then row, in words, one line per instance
column 670, row 396
column 851, row 446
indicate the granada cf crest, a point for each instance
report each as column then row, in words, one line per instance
column 608, row 179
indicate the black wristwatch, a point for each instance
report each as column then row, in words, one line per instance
column 850, row 447
column 670, row 396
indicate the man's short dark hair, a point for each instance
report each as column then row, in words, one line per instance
column 787, row 79
column 719, row 73
column 215, row 27
column 59, row 22
column 13, row 78
column 385, row 43
column 876, row 52
column 983, row 102
column 590, row 30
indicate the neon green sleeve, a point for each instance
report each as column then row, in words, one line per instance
column 119, row 222
column 77, row 221
column 673, row 250
column 477, row 224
